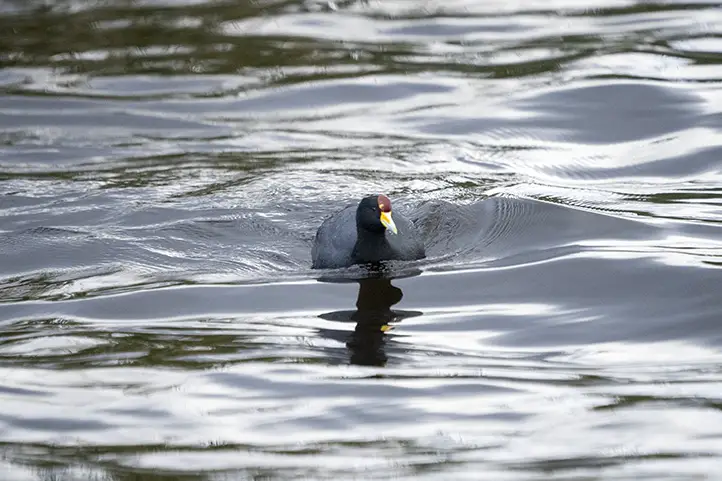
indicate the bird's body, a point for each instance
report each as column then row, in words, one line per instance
column 357, row 235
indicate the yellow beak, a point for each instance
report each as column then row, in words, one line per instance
column 388, row 222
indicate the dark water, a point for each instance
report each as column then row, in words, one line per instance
column 163, row 168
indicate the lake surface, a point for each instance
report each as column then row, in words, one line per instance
column 164, row 166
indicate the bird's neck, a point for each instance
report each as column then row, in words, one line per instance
column 371, row 246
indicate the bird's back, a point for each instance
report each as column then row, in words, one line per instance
column 335, row 239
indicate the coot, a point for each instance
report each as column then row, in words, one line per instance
column 365, row 234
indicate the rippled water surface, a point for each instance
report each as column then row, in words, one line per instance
column 164, row 166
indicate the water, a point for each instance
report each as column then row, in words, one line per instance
column 163, row 168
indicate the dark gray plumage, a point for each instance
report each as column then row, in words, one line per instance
column 356, row 235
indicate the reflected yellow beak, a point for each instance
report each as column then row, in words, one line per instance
column 388, row 222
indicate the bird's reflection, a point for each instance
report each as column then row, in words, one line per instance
column 373, row 317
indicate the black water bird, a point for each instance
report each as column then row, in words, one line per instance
column 365, row 234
